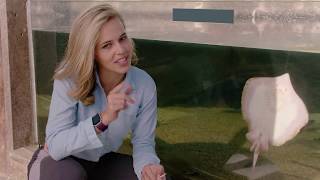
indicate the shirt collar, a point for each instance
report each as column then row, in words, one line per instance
column 128, row 79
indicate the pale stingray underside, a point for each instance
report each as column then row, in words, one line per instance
column 273, row 110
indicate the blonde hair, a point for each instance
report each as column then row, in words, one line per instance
column 78, row 62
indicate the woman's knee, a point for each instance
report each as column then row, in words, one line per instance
column 67, row 169
column 46, row 168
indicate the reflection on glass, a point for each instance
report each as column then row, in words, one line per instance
column 285, row 25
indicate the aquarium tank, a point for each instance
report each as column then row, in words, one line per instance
column 200, row 69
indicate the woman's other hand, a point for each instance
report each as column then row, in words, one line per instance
column 45, row 148
column 153, row 172
column 118, row 99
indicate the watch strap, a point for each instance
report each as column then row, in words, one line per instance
column 102, row 127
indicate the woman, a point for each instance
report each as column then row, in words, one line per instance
column 98, row 97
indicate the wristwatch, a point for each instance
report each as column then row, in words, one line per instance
column 96, row 121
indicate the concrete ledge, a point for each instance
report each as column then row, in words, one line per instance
column 18, row 161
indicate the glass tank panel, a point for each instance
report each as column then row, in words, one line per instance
column 200, row 69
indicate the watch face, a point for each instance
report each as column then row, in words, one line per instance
column 96, row 119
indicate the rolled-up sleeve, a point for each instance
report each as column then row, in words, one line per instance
column 143, row 134
column 65, row 134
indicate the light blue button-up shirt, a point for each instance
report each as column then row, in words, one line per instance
column 70, row 130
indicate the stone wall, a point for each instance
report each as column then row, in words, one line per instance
column 17, row 91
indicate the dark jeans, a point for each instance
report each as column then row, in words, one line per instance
column 113, row 166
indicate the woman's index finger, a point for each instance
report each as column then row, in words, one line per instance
column 127, row 89
column 118, row 88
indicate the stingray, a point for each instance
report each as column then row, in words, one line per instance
column 274, row 112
